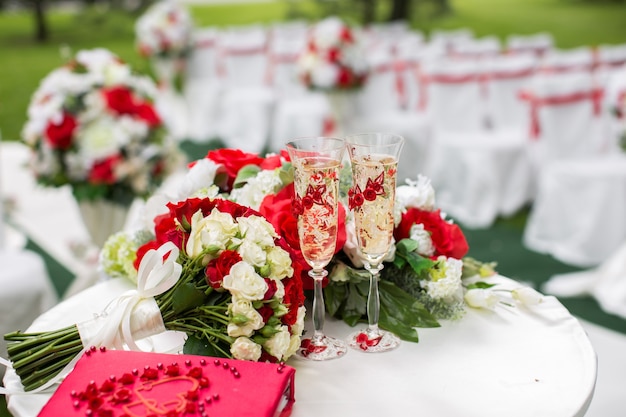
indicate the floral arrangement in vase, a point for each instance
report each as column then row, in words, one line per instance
column 213, row 269
column 92, row 125
column 334, row 58
column 164, row 34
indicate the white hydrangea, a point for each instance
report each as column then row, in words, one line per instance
column 254, row 191
column 201, row 176
column 445, row 279
column 422, row 237
column 419, row 194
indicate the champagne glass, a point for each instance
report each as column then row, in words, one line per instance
column 374, row 160
column 316, row 162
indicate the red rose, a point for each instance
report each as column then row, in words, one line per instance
column 59, row 136
column 266, row 312
column 294, row 298
column 274, row 161
column 448, row 238
column 219, row 267
column 103, row 172
column 233, row 160
column 119, row 100
column 147, row 113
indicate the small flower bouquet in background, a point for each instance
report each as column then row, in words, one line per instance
column 92, row 125
column 211, row 268
column 334, row 58
column 164, row 35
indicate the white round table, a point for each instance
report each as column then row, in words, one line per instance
column 514, row 361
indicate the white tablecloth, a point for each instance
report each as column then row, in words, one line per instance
column 513, row 362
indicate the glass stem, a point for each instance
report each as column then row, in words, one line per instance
column 373, row 300
column 319, row 310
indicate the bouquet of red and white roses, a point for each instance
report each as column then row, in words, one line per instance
column 334, row 58
column 211, row 268
column 92, row 124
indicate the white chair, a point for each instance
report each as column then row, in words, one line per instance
column 487, row 46
column 561, row 61
column 566, row 117
column 578, row 213
column 202, row 86
column 536, row 43
column 382, row 105
column 505, row 76
column 447, row 38
column 479, row 174
column 246, row 101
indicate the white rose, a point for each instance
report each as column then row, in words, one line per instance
column 243, row 281
column 245, row 349
column 422, row 237
column 101, row 138
column 242, row 309
column 481, row 298
column 252, row 253
column 298, row 326
column 280, row 263
column 294, row 345
column 419, row 194
column 278, row 345
column 199, row 177
column 216, row 229
column 258, row 230
column 324, row 75
column 527, row 296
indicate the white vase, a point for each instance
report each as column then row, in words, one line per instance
column 102, row 219
column 342, row 107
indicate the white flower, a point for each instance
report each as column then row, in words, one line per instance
column 258, row 230
column 294, row 345
column 165, row 29
column 298, row 326
column 280, row 263
column 243, row 281
column 215, row 230
column 200, row 176
column 101, row 139
column 279, row 344
column 252, row 253
column 481, row 298
column 445, row 279
column 245, row 319
column 422, row 237
column 419, row 194
column 256, row 188
column 527, row 296
column 245, row 349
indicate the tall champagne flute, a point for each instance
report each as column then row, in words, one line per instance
column 374, row 159
column 316, row 162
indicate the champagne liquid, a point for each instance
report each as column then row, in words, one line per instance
column 374, row 219
column 317, row 225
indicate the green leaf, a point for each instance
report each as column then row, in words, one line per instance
column 196, row 346
column 406, row 246
column 286, row 173
column 479, row 284
column 403, row 307
column 186, row 297
column 334, row 297
column 245, row 173
column 356, row 303
column 419, row 264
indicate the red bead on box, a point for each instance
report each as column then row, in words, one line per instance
column 116, row 383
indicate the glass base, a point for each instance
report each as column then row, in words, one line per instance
column 322, row 349
column 373, row 341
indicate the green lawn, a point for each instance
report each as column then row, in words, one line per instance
column 24, row 62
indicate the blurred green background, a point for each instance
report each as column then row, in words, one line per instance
column 93, row 23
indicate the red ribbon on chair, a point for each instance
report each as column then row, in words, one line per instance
column 275, row 59
column 426, row 79
column 398, row 67
column 536, row 102
column 237, row 51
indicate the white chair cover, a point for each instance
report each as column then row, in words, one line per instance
column 202, row 86
column 382, row 105
column 536, row 43
column 505, row 76
column 477, row 47
column 478, row 173
column 606, row 283
column 581, row 59
column 566, row 117
column 578, row 214
column 247, row 101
